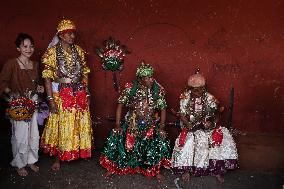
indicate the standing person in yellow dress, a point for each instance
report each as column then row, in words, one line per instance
column 68, row 131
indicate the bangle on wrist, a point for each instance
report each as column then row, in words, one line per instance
column 189, row 125
column 88, row 92
column 49, row 98
column 162, row 125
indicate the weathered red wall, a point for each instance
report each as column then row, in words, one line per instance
column 237, row 43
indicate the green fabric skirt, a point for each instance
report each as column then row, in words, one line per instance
column 148, row 152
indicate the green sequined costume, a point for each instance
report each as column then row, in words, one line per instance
column 140, row 148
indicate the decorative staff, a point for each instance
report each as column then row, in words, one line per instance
column 230, row 108
column 112, row 58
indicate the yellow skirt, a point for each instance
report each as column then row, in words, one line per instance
column 68, row 134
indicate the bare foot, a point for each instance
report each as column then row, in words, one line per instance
column 22, row 172
column 160, row 177
column 107, row 175
column 34, row 167
column 56, row 165
column 220, row 179
column 185, row 177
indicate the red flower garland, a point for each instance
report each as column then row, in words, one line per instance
column 81, row 100
column 130, row 140
column 68, row 101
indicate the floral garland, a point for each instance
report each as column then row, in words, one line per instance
column 191, row 107
column 72, row 99
column 203, row 115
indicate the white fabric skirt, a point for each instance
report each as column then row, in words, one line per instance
column 200, row 157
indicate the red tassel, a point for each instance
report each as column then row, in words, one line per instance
column 217, row 137
column 130, row 141
column 149, row 133
column 182, row 137
column 128, row 85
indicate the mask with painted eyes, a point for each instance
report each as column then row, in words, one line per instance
column 21, row 109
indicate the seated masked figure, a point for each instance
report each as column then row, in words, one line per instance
column 203, row 146
column 138, row 144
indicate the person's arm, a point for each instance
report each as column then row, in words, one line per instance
column 38, row 81
column 162, row 123
column 118, row 115
column 185, row 121
column 48, row 87
column 184, row 112
column 123, row 100
column 117, row 129
column 85, row 69
column 48, row 74
column 163, row 119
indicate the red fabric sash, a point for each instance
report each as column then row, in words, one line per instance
column 182, row 137
column 217, row 137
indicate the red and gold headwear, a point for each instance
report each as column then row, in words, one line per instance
column 63, row 26
column 66, row 25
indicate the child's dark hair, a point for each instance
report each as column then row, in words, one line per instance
column 21, row 37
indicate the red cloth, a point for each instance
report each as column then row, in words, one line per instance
column 182, row 137
column 130, row 140
column 150, row 132
column 217, row 136
column 67, row 98
column 81, row 100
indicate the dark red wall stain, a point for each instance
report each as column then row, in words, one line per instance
column 237, row 43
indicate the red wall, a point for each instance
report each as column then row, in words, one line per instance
column 235, row 43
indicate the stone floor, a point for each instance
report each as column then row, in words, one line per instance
column 88, row 174
column 261, row 159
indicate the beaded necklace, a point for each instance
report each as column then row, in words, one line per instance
column 197, row 115
column 73, row 69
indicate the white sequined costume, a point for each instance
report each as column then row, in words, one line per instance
column 203, row 152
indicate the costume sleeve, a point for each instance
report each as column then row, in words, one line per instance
column 161, row 101
column 5, row 76
column 212, row 105
column 86, row 69
column 49, row 61
column 125, row 94
column 184, row 100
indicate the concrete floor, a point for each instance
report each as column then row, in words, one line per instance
column 88, row 174
column 261, row 166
